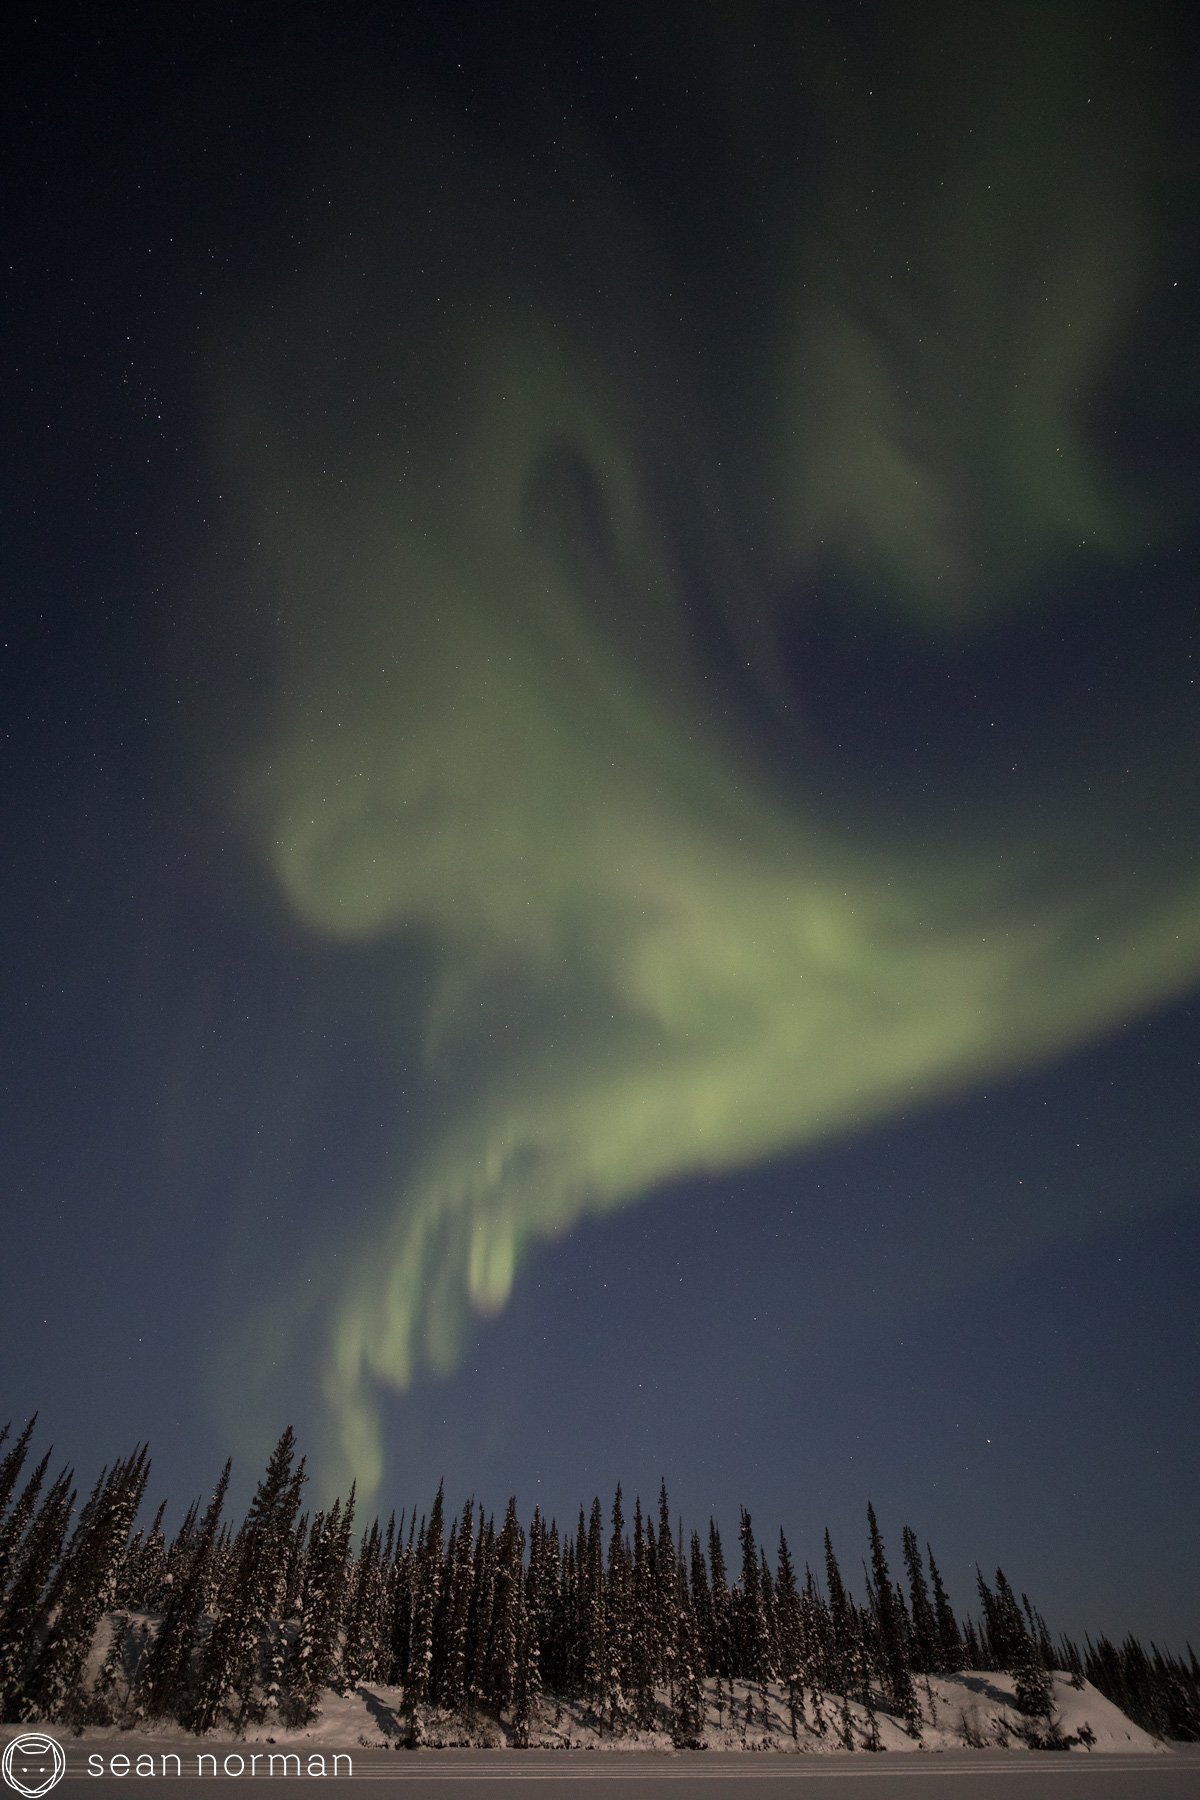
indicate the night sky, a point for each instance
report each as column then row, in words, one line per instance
column 599, row 700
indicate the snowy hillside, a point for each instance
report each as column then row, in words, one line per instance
column 973, row 1710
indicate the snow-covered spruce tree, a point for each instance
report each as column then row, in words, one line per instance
column 427, row 1583
column 1146, row 1693
column 842, row 1636
column 925, row 1658
column 766, row 1595
column 619, row 1622
column 788, row 1634
column 252, row 1594
column 357, row 1583
column 441, row 1618
column 528, row 1683
column 106, row 1699
column 84, row 1590
column 554, row 1615
column 702, row 1606
column 744, row 1603
column 273, row 1643
column 10, row 1473
column 22, row 1613
column 139, row 1579
column 459, row 1577
column 399, row 1610
column 1039, row 1631
column 177, row 1556
column 1023, row 1659
column 163, row 1675
column 595, row 1649
column 556, row 1660
column 618, row 1608
column 818, row 1657
column 687, row 1713
column 83, row 1518
column 506, row 1613
column 293, row 1572
column 6, row 1482
column 873, row 1740
column 1176, row 1688
column 644, row 1654
column 13, row 1528
column 571, row 1613
column 666, row 1591
column 949, row 1646
column 479, row 1624
column 755, row 1622
column 722, row 1623
column 312, row 1658
column 359, row 1610
column 1179, row 1688
column 898, row 1685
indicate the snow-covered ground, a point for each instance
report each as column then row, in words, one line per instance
column 972, row 1709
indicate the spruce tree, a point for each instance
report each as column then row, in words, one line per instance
column 399, row 1604
column 788, row 1629
column 618, row 1621
column 949, row 1638
column 310, row 1662
column 84, row 1589
column 453, row 1691
column 360, row 1612
column 10, row 1470
column 722, row 1625
column 702, row 1605
column 843, row 1632
column 766, row 1598
column 687, row 1719
column 13, row 1528
column 666, row 1590
column 507, row 1609
column 595, row 1649
column 644, row 1649
column 752, row 1645
column 163, row 1674
column 479, row 1633
column 1020, row 1652
column 897, row 1675
column 924, row 1625
column 255, row 1580
column 427, row 1587
column 140, row 1581
column 106, row 1700
column 816, row 1634
column 531, row 1625
column 22, row 1610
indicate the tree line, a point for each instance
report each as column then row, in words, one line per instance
column 230, row 1625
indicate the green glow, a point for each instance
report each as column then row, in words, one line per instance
column 492, row 737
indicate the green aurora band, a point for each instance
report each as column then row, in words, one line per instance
column 494, row 737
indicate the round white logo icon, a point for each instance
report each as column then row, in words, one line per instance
column 33, row 1764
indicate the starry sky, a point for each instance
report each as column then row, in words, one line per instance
column 599, row 702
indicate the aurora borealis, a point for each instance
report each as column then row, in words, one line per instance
column 682, row 659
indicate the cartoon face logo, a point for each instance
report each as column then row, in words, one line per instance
column 33, row 1764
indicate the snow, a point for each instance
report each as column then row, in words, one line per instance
column 974, row 1709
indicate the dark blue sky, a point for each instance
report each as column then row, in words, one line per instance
column 977, row 1310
